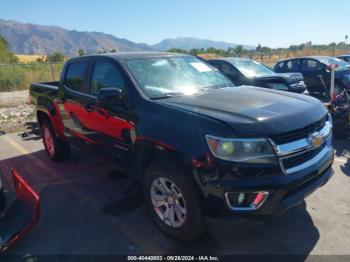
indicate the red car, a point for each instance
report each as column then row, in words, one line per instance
column 19, row 217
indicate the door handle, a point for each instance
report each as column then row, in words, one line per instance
column 89, row 108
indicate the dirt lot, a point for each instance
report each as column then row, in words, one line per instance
column 15, row 111
column 86, row 210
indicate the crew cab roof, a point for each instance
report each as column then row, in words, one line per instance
column 228, row 59
column 305, row 57
column 120, row 56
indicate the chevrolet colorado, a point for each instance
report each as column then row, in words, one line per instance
column 206, row 154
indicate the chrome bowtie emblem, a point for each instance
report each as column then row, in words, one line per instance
column 316, row 139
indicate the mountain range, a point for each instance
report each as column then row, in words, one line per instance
column 41, row 39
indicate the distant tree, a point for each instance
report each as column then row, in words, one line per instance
column 258, row 48
column 81, row 52
column 40, row 60
column 178, row 50
column 265, row 49
column 55, row 57
column 113, row 50
column 6, row 56
column 195, row 51
column 238, row 50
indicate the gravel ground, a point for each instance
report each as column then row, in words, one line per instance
column 15, row 111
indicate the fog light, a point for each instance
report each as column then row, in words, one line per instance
column 241, row 197
column 245, row 201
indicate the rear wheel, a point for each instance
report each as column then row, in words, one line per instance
column 56, row 148
column 172, row 200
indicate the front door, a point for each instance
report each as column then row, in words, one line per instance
column 111, row 125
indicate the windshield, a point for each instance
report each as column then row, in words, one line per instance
column 251, row 68
column 179, row 75
column 334, row 61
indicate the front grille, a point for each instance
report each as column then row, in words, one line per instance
column 300, row 133
column 298, row 159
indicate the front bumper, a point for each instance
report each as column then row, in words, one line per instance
column 21, row 216
column 280, row 200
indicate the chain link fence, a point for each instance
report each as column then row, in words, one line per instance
column 19, row 76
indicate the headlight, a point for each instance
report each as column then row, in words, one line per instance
column 257, row 151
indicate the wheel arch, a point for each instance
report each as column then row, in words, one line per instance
column 148, row 151
column 52, row 114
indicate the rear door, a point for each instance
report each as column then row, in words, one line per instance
column 315, row 76
column 76, row 101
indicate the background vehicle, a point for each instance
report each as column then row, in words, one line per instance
column 317, row 75
column 20, row 216
column 346, row 58
column 249, row 72
column 204, row 153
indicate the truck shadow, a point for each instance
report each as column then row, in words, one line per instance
column 342, row 149
column 32, row 131
column 291, row 234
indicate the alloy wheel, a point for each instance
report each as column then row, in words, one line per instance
column 168, row 202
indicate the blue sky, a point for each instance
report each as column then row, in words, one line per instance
column 269, row 22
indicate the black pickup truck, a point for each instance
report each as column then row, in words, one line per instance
column 205, row 153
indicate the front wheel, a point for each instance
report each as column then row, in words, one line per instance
column 172, row 200
column 56, row 148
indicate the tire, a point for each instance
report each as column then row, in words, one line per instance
column 187, row 219
column 56, row 148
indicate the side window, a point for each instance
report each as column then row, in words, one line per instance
column 312, row 65
column 228, row 70
column 74, row 78
column 293, row 65
column 105, row 74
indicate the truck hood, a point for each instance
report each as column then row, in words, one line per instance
column 253, row 111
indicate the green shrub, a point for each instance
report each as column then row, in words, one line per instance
column 11, row 78
column 19, row 77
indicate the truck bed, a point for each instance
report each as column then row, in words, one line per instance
column 44, row 90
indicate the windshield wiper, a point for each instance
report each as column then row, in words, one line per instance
column 167, row 95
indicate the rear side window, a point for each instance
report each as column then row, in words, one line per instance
column 311, row 65
column 104, row 75
column 75, row 76
column 293, row 65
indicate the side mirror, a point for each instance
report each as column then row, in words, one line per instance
column 110, row 96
